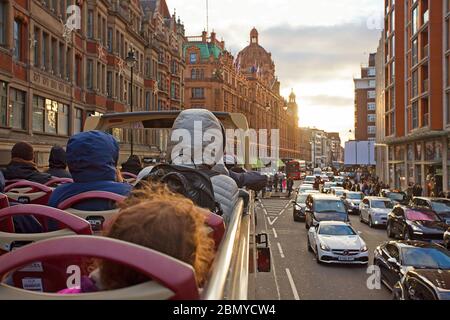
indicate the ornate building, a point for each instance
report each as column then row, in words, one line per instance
column 52, row 79
column 247, row 84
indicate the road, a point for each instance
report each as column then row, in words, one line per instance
column 295, row 273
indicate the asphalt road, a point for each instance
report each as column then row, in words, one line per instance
column 295, row 273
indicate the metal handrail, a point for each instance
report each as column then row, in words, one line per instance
column 226, row 254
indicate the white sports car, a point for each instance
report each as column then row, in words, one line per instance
column 337, row 242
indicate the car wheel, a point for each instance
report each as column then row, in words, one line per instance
column 390, row 234
column 361, row 218
column 371, row 222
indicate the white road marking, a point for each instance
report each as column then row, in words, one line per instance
column 272, row 261
column 281, row 250
column 272, row 222
column 275, row 233
column 293, row 287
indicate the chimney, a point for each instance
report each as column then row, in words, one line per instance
column 204, row 36
column 213, row 37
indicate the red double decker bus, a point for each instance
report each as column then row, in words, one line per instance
column 294, row 169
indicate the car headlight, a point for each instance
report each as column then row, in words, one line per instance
column 324, row 247
column 415, row 228
column 364, row 248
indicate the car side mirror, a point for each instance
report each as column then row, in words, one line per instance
column 312, row 229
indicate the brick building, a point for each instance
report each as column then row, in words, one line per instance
column 217, row 81
column 51, row 81
column 365, row 109
column 417, row 92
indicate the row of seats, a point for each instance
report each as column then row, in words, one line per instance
column 48, row 272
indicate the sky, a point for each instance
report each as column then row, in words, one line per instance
column 318, row 47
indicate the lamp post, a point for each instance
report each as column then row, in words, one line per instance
column 131, row 62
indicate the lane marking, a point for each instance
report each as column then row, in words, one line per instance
column 272, row 262
column 275, row 233
column 281, row 250
column 272, row 222
column 291, row 282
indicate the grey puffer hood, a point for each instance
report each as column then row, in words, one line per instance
column 196, row 138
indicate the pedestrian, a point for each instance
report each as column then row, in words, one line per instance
column 275, row 182
column 22, row 165
column 290, row 186
column 57, row 163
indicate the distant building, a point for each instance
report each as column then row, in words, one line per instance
column 382, row 167
column 365, row 109
column 215, row 80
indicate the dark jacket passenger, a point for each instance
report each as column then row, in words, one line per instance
column 132, row 165
column 22, row 166
column 57, row 163
column 92, row 159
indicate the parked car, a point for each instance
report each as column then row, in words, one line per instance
column 441, row 206
column 352, row 201
column 321, row 207
column 339, row 181
column 337, row 242
column 299, row 207
column 414, row 269
column 447, row 239
column 337, row 192
column 398, row 197
column 374, row 211
column 411, row 223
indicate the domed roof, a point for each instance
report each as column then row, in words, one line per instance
column 255, row 59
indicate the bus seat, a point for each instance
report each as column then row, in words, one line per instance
column 4, row 203
column 44, row 273
column 28, row 192
column 172, row 279
column 98, row 219
column 217, row 226
column 53, row 183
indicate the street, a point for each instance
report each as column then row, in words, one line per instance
column 295, row 272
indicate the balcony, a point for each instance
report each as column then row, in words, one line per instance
column 426, row 85
column 425, row 51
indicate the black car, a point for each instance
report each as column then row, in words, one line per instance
column 352, row 201
column 414, row 270
column 439, row 205
column 447, row 239
column 299, row 207
column 398, row 197
column 411, row 223
column 321, row 207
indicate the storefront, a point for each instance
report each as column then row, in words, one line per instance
column 425, row 162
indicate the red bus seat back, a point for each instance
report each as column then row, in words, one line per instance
column 53, row 183
column 217, row 226
column 129, row 177
column 166, row 272
column 28, row 192
column 97, row 219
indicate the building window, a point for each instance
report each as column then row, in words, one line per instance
column 371, row 129
column 3, row 23
column 37, row 47
column 90, row 24
column 3, row 103
column 371, row 118
column 44, row 50
column 17, row 115
column 90, row 74
column 198, row 93
column 193, row 58
column 38, row 114
column 17, row 40
column 372, row 83
column 110, row 40
column 63, row 119
column 78, row 121
column 371, row 106
column 109, row 83
column 371, row 94
column 61, row 55
column 77, row 71
column 415, row 115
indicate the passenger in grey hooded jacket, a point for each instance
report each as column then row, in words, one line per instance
column 197, row 141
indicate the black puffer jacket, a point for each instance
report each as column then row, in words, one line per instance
column 58, row 164
column 25, row 171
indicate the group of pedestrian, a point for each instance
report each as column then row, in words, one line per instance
column 370, row 186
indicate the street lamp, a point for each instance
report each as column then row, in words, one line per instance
column 131, row 63
column 285, row 107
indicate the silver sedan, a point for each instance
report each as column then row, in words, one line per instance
column 374, row 211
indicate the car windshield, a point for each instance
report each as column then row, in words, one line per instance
column 336, row 231
column 307, row 187
column 441, row 206
column 302, row 198
column 324, row 206
column 310, row 179
column 339, row 192
column 426, row 258
column 330, row 184
column 415, row 215
column 396, row 196
column 382, row 204
column 355, row 196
